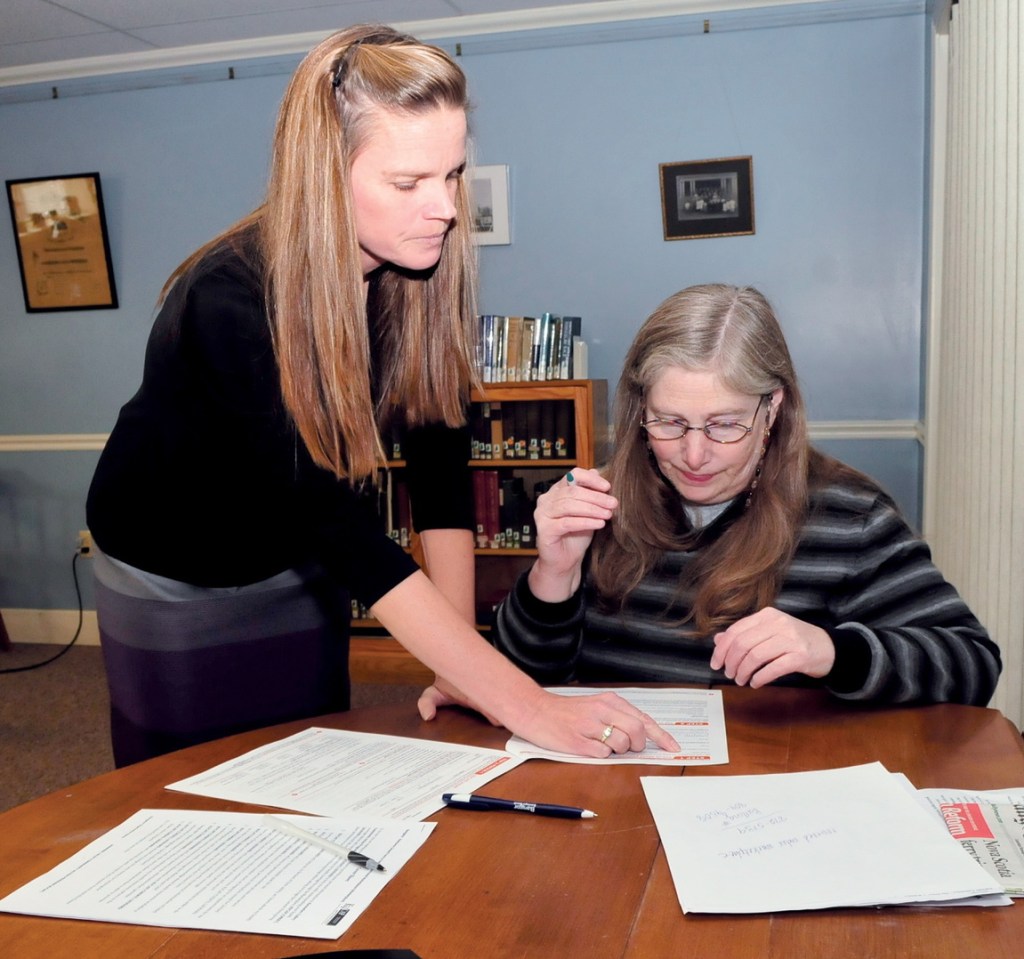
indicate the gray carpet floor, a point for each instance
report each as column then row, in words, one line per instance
column 54, row 728
column 53, row 721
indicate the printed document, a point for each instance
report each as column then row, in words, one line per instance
column 334, row 772
column 852, row 836
column 989, row 825
column 222, row 870
column 694, row 718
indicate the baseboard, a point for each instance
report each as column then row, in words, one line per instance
column 54, row 627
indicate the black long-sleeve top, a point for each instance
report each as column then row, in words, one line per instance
column 902, row 634
column 205, row 479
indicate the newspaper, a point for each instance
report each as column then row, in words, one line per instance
column 989, row 826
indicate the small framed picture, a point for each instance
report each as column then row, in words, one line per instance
column 61, row 235
column 704, row 198
column 488, row 192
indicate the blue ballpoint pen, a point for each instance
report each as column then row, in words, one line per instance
column 490, row 804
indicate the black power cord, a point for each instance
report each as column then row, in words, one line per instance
column 78, row 632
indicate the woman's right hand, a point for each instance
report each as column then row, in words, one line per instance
column 567, row 724
column 567, row 516
column 596, row 725
column 475, row 674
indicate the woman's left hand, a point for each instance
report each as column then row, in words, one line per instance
column 761, row 648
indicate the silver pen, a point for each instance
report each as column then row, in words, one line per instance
column 297, row 832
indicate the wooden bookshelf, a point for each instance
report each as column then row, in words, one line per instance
column 376, row 657
column 380, row 659
column 590, row 420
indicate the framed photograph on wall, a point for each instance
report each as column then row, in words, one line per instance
column 703, row 198
column 488, row 193
column 60, row 231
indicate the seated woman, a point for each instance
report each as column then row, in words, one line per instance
column 719, row 546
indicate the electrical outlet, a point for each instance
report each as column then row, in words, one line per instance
column 84, row 542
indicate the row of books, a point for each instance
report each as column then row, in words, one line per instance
column 502, row 505
column 390, row 501
column 504, row 510
column 393, row 439
column 514, row 349
column 524, row 430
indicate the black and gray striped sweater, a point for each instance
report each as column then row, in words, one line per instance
column 902, row 633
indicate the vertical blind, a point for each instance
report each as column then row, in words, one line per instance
column 974, row 465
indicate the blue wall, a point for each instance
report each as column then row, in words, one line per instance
column 833, row 114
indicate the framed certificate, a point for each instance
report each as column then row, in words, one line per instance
column 61, row 235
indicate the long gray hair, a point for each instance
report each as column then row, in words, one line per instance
column 733, row 332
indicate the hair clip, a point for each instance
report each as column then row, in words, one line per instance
column 339, row 74
column 373, row 39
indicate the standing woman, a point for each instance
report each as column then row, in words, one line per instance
column 227, row 505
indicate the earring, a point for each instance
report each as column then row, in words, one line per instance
column 757, row 470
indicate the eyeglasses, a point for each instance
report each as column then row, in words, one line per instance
column 724, row 431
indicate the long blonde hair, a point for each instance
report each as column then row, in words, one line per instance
column 306, row 243
column 732, row 331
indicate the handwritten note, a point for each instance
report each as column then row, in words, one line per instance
column 837, row 837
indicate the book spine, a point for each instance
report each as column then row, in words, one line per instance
column 511, row 507
column 488, row 347
column 526, row 355
column 479, row 508
column 552, row 348
column 386, row 505
column 483, row 431
column 540, row 335
column 547, row 428
column 492, row 520
column 526, row 530
column 508, row 428
column 564, row 429
column 500, row 348
column 570, row 329
column 497, row 444
column 515, row 348
column 580, row 360
column 532, row 430
column 477, row 440
column 392, row 440
column 403, row 513
column 522, row 440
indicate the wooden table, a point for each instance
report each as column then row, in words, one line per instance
column 497, row 885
